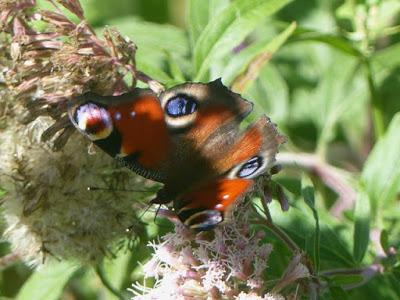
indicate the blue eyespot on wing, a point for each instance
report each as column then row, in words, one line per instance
column 181, row 105
column 250, row 167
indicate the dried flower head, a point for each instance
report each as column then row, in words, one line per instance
column 48, row 209
column 49, row 68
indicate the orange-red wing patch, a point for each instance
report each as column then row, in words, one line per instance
column 246, row 147
column 208, row 121
column 143, row 130
column 217, row 195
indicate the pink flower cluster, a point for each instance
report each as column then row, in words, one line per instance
column 228, row 263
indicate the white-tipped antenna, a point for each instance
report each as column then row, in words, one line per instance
column 96, row 188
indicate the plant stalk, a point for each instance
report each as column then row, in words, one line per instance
column 277, row 231
column 376, row 103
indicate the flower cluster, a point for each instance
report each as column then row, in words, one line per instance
column 229, row 263
column 47, row 207
column 47, row 69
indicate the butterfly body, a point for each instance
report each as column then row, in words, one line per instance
column 188, row 138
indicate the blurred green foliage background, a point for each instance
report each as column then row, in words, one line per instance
column 332, row 86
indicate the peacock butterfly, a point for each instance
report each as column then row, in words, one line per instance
column 187, row 138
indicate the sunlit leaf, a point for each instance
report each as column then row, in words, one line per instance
column 151, row 53
column 47, row 283
column 229, row 28
column 199, row 13
column 175, row 69
column 381, row 173
column 341, row 91
column 328, row 39
column 270, row 95
column 117, row 270
column 248, row 63
column 387, row 58
column 154, row 72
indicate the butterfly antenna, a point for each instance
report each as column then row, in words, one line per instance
column 96, row 188
column 156, row 214
column 145, row 211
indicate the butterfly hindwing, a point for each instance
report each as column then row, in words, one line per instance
column 253, row 154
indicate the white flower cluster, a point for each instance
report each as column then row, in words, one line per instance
column 226, row 264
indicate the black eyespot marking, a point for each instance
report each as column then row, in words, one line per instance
column 180, row 105
column 250, row 167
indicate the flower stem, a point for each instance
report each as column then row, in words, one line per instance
column 335, row 272
column 377, row 109
column 277, row 231
column 100, row 272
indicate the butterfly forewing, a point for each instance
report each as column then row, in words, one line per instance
column 129, row 127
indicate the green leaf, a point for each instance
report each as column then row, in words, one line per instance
column 197, row 18
column 270, row 94
column 240, row 62
column 387, row 58
column 338, row 293
column 148, row 35
column 327, row 93
column 151, row 53
column 154, row 72
column 381, row 173
column 396, row 273
column 307, row 190
column 328, row 39
column 100, row 12
column 175, row 69
column 47, row 283
column 384, row 240
column 297, row 223
column 199, row 13
column 228, row 29
column 115, row 270
column 341, row 91
column 346, row 279
column 362, row 215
